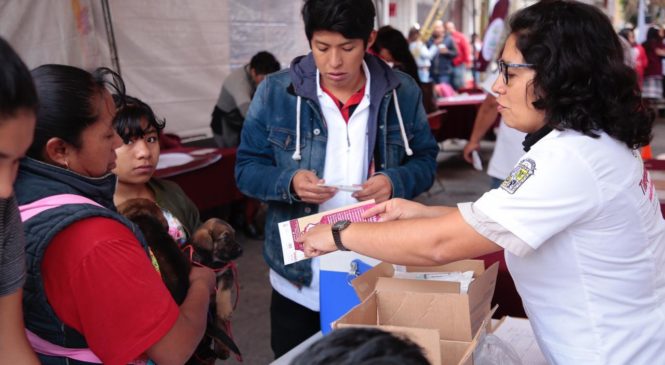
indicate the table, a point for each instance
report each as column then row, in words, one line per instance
column 461, row 100
column 208, row 180
column 460, row 114
column 516, row 332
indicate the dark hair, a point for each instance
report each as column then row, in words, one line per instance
column 653, row 35
column 581, row 80
column 128, row 117
column 67, row 102
column 362, row 346
column 16, row 88
column 353, row 19
column 625, row 32
column 393, row 40
column 264, row 63
column 652, row 40
column 413, row 32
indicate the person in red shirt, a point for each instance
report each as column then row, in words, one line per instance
column 91, row 286
column 652, row 87
column 463, row 57
column 638, row 54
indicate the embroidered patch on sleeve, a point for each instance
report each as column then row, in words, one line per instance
column 519, row 175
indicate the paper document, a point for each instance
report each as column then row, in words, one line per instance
column 464, row 278
column 291, row 230
column 349, row 188
column 477, row 162
column 518, row 333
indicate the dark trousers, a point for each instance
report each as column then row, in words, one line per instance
column 290, row 324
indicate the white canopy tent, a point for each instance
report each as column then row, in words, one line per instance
column 175, row 54
column 172, row 54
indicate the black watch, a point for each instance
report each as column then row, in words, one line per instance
column 337, row 228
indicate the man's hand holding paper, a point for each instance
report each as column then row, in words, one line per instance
column 377, row 187
column 310, row 189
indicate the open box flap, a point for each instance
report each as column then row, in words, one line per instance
column 365, row 284
column 447, row 313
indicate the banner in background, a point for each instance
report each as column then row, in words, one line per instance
column 493, row 34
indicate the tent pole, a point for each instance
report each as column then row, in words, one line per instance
column 108, row 23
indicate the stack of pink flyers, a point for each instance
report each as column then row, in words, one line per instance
column 291, row 230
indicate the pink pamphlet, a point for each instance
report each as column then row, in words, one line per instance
column 291, row 230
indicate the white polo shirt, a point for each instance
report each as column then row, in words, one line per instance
column 591, row 269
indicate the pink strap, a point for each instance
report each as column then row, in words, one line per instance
column 39, row 344
column 46, row 348
column 30, row 210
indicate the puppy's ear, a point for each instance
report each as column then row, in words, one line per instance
column 217, row 227
column 202, row 239
column 142, row 207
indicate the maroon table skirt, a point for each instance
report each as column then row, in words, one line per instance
column 505, row 293
column 209, row 185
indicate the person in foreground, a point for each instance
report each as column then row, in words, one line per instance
column 337, row 116
column 578, row 217
column 92, row 294
column 362, row 346
column 18, row 106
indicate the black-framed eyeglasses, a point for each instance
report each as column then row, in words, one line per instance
column 503, row 68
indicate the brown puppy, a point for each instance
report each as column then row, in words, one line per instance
column 216, row 247
column 174, row 267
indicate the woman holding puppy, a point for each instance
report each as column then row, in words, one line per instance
column 578, row 217
column 92, row 294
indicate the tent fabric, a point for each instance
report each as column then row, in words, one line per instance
column 64, row 32
column 173, row 54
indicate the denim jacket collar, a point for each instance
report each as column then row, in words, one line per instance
column 303, row 77
column 384, row 80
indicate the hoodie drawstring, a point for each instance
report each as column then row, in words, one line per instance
column 296, row 155
column 407, row 148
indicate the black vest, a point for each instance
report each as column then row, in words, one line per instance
column 32, row 185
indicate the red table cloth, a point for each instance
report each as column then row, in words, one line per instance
column 209, row 184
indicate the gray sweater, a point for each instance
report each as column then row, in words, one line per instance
column 12, row 248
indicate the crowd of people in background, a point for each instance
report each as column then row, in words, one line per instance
column 647, row 58
column 445, row 60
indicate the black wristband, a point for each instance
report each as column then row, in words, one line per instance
column 337, row 229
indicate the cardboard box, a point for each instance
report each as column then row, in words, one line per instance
column 429, row 312
column 437, row 351
column 440, row 304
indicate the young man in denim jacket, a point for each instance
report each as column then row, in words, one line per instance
column 338, row 116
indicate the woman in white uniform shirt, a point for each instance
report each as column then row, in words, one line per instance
column 578, row 218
